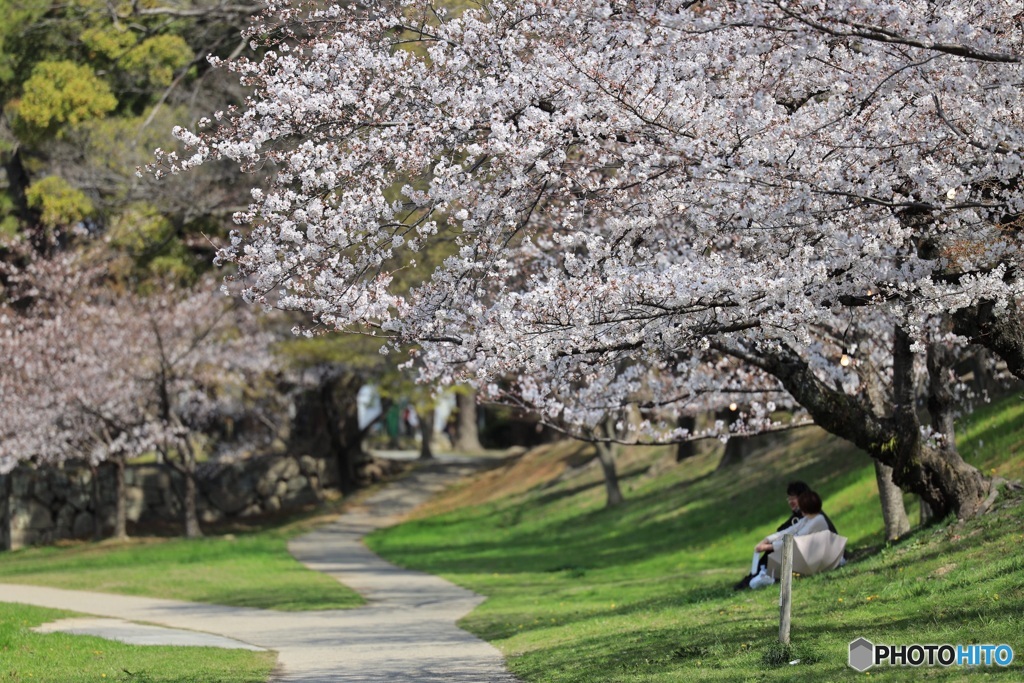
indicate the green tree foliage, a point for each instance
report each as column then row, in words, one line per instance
column 58, row 94
column 88, row 89
column 58, row 203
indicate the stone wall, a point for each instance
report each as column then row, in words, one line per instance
column 43, row 505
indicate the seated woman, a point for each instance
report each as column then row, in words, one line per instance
column 812, row 522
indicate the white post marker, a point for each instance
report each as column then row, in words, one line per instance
column 786, row 592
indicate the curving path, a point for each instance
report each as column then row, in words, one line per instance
column 405, row 633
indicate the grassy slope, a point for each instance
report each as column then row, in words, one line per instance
column 643, row 592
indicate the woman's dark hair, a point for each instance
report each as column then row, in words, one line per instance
column 809, row 502
column 795, row 488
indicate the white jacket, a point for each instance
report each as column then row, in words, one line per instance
column 806, row 525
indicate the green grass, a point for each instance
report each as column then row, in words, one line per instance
column 62, row 658
column 246, row 570
column 643, row 592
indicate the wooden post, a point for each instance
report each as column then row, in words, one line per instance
column 786, row 592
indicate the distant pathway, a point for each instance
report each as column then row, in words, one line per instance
column 405, row 633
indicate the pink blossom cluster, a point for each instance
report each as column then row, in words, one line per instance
column 638, row 195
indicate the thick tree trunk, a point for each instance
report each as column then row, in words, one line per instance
column 120, row 503
column 939, row 476
column 467, row 436
column 606, row 456
column 894, row 513
column 936, row 472
column 426, row 434
column 1002, row 334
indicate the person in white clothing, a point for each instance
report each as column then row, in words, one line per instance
column 812, row 521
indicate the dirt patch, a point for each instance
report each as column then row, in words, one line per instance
column 944, row 569
column 514, row 475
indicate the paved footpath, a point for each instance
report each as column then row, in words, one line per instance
column 405, row 633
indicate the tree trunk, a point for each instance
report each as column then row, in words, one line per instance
column 606, row 456
column 894, row 513
column 17, row 186
column 426, row 434
column 735, row 452
column 686, row 449
column 190, row 499
column 329, row 426
column 936, row 472
column 939, row 476
column 5, row 511
column 97, row 504
column 926, row 514
column 467, row 439
column 1002, row 334
column 120, row 503
column 346, row 436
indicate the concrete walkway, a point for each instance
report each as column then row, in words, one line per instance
column 406, row 632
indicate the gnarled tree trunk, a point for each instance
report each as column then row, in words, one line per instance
column 939, row 475
column 936, row 472
column 1002, row 334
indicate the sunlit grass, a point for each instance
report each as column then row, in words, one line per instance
column 63, row 658
column 247, row 570
column 644, row 592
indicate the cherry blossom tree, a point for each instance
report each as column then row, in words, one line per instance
column 631, row 185
column 104, row 375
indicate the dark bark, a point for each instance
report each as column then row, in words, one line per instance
column 606, row 456
column 188, row 462
column 1002, row 334
column 342, row 412
column 5, row 511
column 97, row 508
column 937, row 473
column 939, row 476
column 926, row 514
column 735, row 452
column 185, row 465
column 426, row 434
column 940, row 394
column 686, row 449
column 17, row 186
column 467, row 436
column 120, row 506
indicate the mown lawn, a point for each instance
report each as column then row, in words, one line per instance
column 62, row 658
column 578, row 593
column 246, row 570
